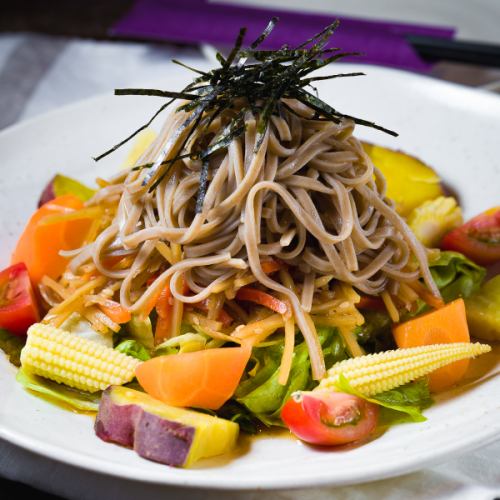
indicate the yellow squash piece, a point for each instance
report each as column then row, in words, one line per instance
column 74, row 361
column 409, row 181
column 483, row 311
column 384, row 371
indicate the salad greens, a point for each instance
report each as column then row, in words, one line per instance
column 261, row 392
column 456, row 276
column 76, row 399
column 11, row 345
column 401, row 405
column 133, row 348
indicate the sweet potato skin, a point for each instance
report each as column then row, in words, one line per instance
column 115, row 423
column 162, row 440
column 151, row 436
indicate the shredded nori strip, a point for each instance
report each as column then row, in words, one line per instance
column 261, row 78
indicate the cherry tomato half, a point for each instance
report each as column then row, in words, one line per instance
column 478, row 239
column 18, row 308
column 329, row 418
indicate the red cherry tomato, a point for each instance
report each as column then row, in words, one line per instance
column 18, row 308
column 478, row 239
column 329, row 418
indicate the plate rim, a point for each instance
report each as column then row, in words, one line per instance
column 322, row 478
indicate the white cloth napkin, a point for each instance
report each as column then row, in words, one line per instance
column 39, row 73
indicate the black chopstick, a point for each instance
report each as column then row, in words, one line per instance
column 435, row 49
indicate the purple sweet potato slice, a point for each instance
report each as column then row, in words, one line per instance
column 116, row 422
column 159, row 432
column 163, row 440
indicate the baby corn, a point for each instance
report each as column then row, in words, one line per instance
column 72, row 360
column 387, row 370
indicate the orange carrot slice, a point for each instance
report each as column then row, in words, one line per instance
column 442, row 326
column 39, row 245
column 202, row 379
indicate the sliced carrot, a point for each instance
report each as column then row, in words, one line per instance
column 202, row 379
column 115, row 312
column 264, row 299
column 40, row 244
column 442, row 326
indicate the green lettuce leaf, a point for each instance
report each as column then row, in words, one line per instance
column 133, row 348
column 263, row 396
column 141, row 329
column 11, row 345
column 456, row 276
column 401, row 405
column 79, row 400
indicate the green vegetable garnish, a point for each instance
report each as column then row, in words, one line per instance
column 11, row 345
column 79, row 400
column 401, row 405
column 134, row 349
column 263, row 395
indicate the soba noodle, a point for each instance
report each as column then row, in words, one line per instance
column 308, row 196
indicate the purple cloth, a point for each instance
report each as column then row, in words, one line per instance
column 198, row 21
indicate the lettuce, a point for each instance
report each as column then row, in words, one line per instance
column 456, row 276
column 133, row 348
column 141, row 329
column 11, row 345
column 76, row 399
column 401, row 405
column 263, row 396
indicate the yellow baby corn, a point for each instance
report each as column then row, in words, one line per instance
column 72, row 360
column 387, row 370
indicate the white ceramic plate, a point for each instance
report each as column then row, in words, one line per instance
column 454, row 129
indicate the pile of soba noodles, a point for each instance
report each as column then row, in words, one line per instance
column 302, row 194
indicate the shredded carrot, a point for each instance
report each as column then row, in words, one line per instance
column 78, row 294
column 391, row 308
column 351, row 341
column 222, row 316
column 165, row 251
column 287, row 358
column 425, row 295
column 271, row 266
column 264, row 299
column 70, row 214
column 115, row 312
column 259, row 330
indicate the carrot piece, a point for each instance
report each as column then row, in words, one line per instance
column 271, row 266
column 164, row 306
column 442, row 326
column 39, row 244
column 115, row 312
column 202, row 379
column 264, row 299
